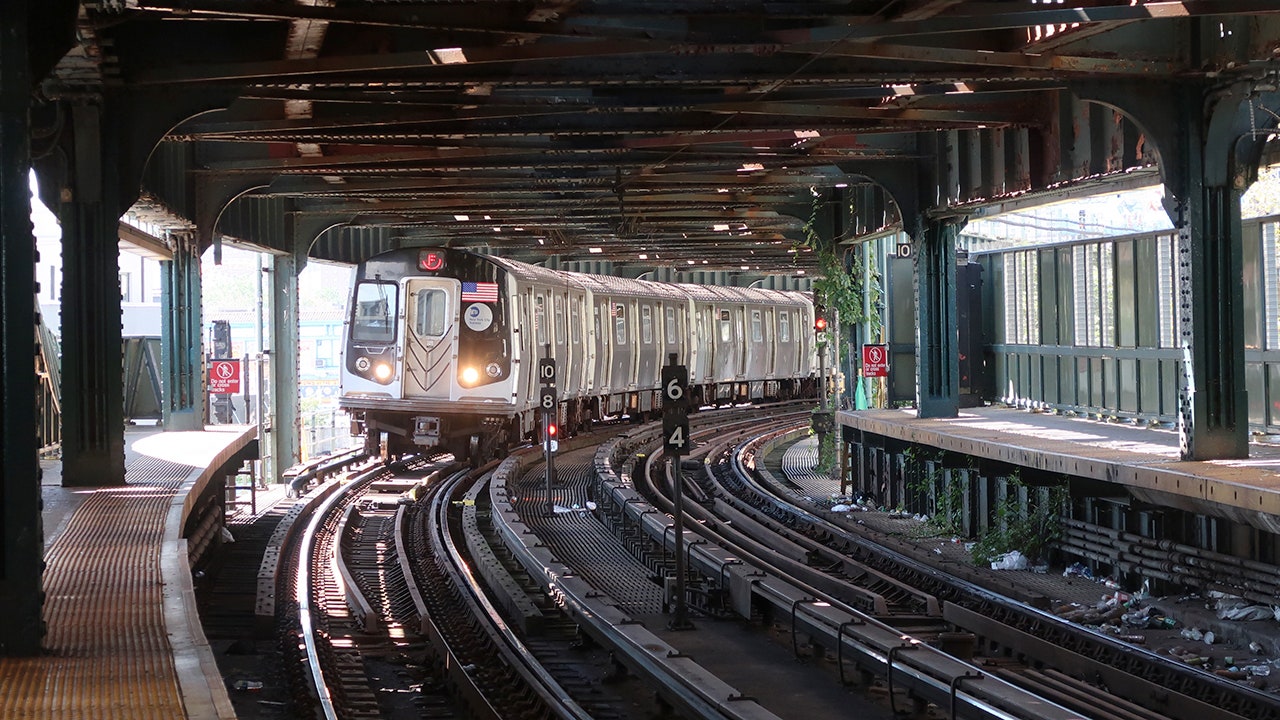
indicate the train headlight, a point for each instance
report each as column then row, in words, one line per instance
column 382, row 372
column 469, row 376
column 363, row 364
column 493, row 369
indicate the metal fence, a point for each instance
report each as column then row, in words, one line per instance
column 1091, row 326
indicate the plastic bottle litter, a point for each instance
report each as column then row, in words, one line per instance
column 1209, row 638
column 1256, row 647
column 1192, row 634
column 1258, row 670
column 246, row 685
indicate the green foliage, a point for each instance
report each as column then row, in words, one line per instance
column 1029, row 531
column 836, row 286
column 943, row 500
column 823, row 424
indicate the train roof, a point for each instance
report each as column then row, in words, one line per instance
column 611, row 285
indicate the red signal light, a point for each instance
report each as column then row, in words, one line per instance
column 552, row 430
column 819, row 324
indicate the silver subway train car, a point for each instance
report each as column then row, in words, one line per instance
column 442, row 348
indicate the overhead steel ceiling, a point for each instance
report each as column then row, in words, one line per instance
column 686, row 134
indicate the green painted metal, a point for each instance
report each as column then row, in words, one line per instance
column 92, row 371
column 937, row 361
column 21, row 534
column 1213, row 403
column 180, row 337
column 286, row 430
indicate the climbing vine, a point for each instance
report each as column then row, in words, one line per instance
column 838, row 286
column 840, row 282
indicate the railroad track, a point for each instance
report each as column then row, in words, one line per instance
column 1167, row 688
column 761, row 548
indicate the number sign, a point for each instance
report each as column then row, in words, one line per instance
column 675, row 409
column 675, row 431
column 675, row 386
column 547, row 376
column 547, row 371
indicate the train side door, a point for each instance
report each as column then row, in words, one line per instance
column 604, row 348
column 576, row 383
column 559, row 338
column 672, row 333
column 431, row 334
column 786, row 348
column 770, row 349
column 647, row 346
column 622, row 370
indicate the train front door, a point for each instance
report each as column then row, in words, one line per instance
column 431, row 333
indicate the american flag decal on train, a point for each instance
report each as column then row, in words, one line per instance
column 485, row 292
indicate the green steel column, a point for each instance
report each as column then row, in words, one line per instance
column 1212, row 402
column 937, row 334
column 21, row 533
column 92, row 364
column 180, row 337
column 286, row 421
column 1205, row 208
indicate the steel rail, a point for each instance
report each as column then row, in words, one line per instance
column 1252, row 700
column 302, row 586
column 929, row 673
column 513, row 650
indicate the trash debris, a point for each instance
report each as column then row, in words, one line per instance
column 1192, row 634
column 1012, row 560
column 1078, row 570
column 246, row 685
column 1144, row 592
column 1256, row 647
column 1209, row 638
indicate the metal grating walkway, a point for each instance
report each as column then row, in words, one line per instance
column 797, row 465
column 579, row 540
column 123, row 641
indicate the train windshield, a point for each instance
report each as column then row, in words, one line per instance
column 374, row 312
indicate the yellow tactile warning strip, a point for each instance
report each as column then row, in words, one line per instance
column 107, row 650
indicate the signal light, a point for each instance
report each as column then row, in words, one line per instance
column 819, row 324
column 552, row 430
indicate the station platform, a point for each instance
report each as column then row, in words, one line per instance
column 124, row 638
column 1145, row 460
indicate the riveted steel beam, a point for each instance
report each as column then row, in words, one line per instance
column 181, row 337
column 21, row 531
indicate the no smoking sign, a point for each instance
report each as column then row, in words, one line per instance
column 875, row 361
column 224, row 377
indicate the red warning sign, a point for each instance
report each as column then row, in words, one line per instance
column 224, row 377
column 875, row 361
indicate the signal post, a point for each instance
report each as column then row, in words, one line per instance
column 676, row 443
column 547, row 401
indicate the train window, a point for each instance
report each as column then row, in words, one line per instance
column 559, row 307
column 575, row 321
column 726, row 327
column 671, row 326
column 757, row 327
column 784, row 326
column 619, row 313
column 432, row 308
column 540, row 319
column 600, row 335
column 373, row 313
column 646, row 324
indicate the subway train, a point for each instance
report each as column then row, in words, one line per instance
column 443, row 347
